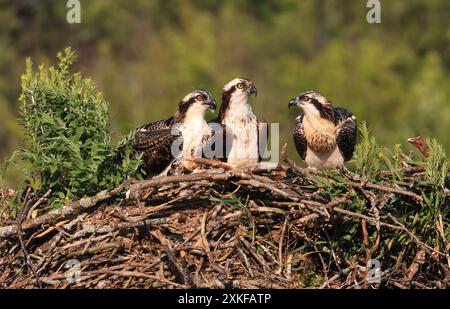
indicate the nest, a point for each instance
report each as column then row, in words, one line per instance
column 253, row 227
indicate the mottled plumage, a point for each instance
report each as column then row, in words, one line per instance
column 300, row 138
column 324, row 136
column 155, row 146
column 158, row 125
column 187, row 127
column 346, row 132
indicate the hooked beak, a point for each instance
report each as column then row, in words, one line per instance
column 211, row 104
column 293, row 102
column 252, row 90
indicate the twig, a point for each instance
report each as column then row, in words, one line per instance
column 308, row 218
column 132, row 274
column 155, row 182
column 211, row 163
column 203, row 233
column 414, row 267
column 369, row 220
column 365, row 239
column 186, row 279
column 72, row 209
column 25, row 207
column 416, row 239
column 257, row 184
column 254, row 254
column 335, row 277
column 95, row 249
column 40, row 200
column 387, row 189
column 292, row 164
column 280, row 247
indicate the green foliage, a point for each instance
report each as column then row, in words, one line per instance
column 67, row 130
column 367, row 155
column 436, row 170
column 437, row 164
column 419, row 217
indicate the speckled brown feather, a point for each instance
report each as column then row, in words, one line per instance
column 346, row 132
column 158, row 125
column 300, row 138
column 155, row 146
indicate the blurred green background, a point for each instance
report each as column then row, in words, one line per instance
column 147, row 54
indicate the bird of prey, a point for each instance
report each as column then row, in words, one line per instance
column 324, row 136
column 240, row 125
column 188, row 127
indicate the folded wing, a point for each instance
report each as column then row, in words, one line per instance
column 346, row 132
column 300, row 138
column 156, row 148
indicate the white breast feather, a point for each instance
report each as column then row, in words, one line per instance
column 328, row 160
column 241, row 122
column 195, row 132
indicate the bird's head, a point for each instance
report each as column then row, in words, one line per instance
column 196, row 102
column 313, row 104
column 239, row 89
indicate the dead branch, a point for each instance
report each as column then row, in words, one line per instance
column 70, row 210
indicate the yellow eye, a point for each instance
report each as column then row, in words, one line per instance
column 306, row 99
column 199, row 98
column 240, row 86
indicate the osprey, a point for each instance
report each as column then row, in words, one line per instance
column 240, row 125
column 325, row 136
column 188, row 126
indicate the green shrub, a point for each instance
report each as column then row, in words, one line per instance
column 367, row 157
column 67, row 132
column 419, row 217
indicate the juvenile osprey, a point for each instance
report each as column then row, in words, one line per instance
column 325, row 136
column 155, row 140
column 240, row 125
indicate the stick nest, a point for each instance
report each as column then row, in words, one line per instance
column 255, row 227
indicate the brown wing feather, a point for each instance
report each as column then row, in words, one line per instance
column 155, row 146
column 346, row 132
column 158, row 125
column 300, row 138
